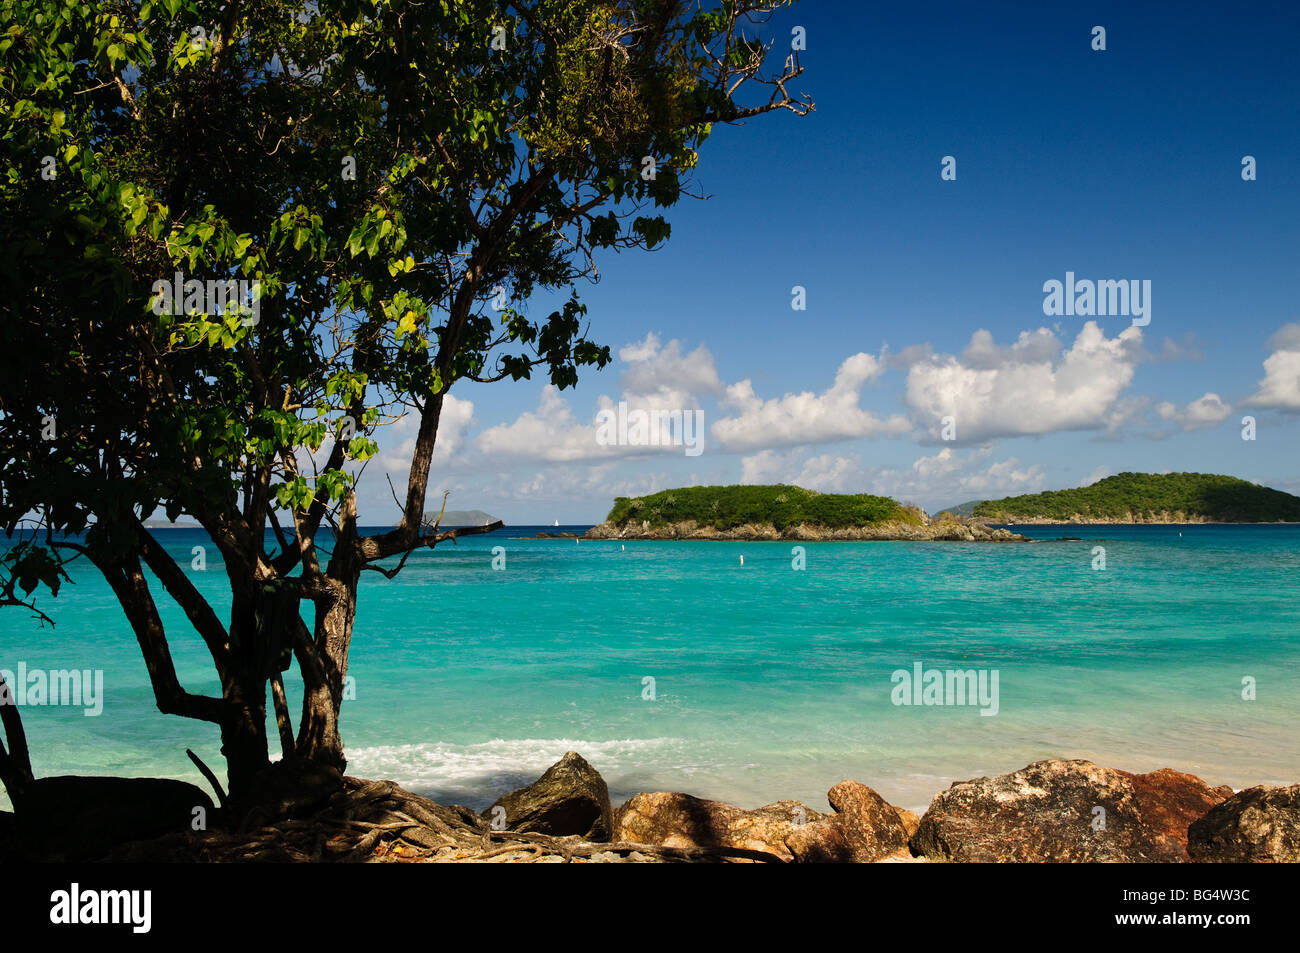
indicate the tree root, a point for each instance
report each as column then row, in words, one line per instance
column 379, row 822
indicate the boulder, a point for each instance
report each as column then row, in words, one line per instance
column 1260, row 825
column 570, row 798
column 1048, row 811
column 83, row 818
column 910, row 821
column 864, row 828
column 668, row 819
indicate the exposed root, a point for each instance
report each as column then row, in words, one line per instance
column 379, row 822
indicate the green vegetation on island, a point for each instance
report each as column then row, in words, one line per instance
column 1151, row 498
column 726, row 507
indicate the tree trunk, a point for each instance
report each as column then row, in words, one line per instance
column 324, row 658
column 243, row 733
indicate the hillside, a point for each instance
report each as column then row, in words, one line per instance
column 1150, row 498
column 966, row 509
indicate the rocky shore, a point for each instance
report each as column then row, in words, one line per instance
column 945, row 530
column 1163, row 518
column 1051, row 811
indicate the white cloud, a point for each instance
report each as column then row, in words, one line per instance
column 664, row 377
column 944, row 478
column 1028, row 388
column 971, row 476
column 827, row 473
column 1286, row 338
column 1032, row 347
column 657, row 377
column 805, row 418
column 1280, row 387
column 551, row 432
column 1206, row 411
column 399, row 439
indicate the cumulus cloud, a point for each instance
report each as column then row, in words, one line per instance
column 827, row 473
column 913, row 354
column 1286, row 338
column 657, row 377
column 1032, row 347
column 664, row 377
column 805, row 418
column 975, row 474
column 942, row 477
column 1206, row 411
column 551, row 432
column 1030, row 387
column 1280, row 387
column 397, row 445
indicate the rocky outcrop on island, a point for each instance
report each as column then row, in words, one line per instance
column 570, row 798
column 1066, row 811
column 1258, row 825
column 954, row 530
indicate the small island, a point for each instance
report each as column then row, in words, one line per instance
column 1149, row 498
column 780, row 512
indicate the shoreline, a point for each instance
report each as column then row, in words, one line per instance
column 1053, row 810
column 894, row 531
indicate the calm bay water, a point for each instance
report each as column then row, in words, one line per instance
column 769, row 682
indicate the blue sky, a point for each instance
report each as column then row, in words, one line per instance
column 1116, row 164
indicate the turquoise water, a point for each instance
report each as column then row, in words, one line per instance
column 769, row 682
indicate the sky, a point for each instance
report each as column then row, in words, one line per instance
column 924, row 296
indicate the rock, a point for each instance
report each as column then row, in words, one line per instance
column 1259, row 825
column 1046, row 812
column 669, row 819
column 83, row 818
column 910, row 821
column 864, row 828
column 570, row 798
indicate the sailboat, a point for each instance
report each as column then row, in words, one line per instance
column 557, row 523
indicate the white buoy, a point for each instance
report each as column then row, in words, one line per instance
column 624, row 548
column 742, row 560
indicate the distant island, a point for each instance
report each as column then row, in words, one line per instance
column 1149, row 498
column 460, row 518
column 966, row 509
column 780, row 512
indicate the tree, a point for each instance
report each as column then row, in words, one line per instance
column 378, row 175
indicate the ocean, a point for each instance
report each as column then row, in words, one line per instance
column 672, row 667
